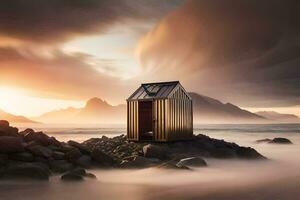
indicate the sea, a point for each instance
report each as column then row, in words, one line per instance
column 275, row 179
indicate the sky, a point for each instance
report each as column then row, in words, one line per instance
column 59, row 53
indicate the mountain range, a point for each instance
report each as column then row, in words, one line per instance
column 14, row 118
column 205, row 109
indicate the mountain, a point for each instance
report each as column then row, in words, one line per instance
column 96, row 111
column 13, row 118
column 209, row 110
column 279, row 117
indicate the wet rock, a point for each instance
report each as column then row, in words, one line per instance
column 137, row 162
column 4, row 123
column 83, row 148
column 57, row 155
column 281, row 141
column 102, row 158
column 23, row 156
column 192, row 162
column 169, row 165
column 39, row 137
column 73, row 155
column 155, row 151
column 84, row 161
column 90, row 175
column 9, row 144
column 248, row 153
column 26, row 131
column 39, row 150
column 26, row 171
column 267, row 140
column 61, row 166
column 71, row 177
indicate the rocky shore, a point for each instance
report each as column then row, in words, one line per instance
column 35, row 155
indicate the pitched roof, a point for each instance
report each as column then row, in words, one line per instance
column 154, row 90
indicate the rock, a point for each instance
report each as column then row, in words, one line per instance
column 223, row 153
column 26, row 131
column 102, row 158
column 73, row 155
column 248, row 153
column 4, row 123
column 192, row 162
column 9, row 144
column 26, row 171
column 267, row 140
column 281, row 141
column 78, row 171
column 6, row 130
column 84, row 161
column 90, row 175
column 3, row 159
column 22, row 156
column 57, row 155
column 155, row 151
column 60, row 166
column 39, row 150
column 71, row 177
column 83, row 148
column 137, row 162
column 169, row 165
column 38, row 137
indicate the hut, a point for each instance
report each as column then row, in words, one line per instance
column 160, row 112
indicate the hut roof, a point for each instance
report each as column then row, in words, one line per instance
column 154, row 90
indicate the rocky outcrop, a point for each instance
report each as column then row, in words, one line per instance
column 278, row 140
column 35, row 155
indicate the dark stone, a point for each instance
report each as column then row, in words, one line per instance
column 155, row 151
column 73, row 155
column 57, row 155
column 8, row 131
column 26, row 131
column 71, row 177
column 39, row 137
column 9, row 144
column 83, row 148
column 78, row 171
column 90, row 175
column 26, row 171
column 4, row 123
column 169, row 165
column 137, row 162
column 39, row 150
column 192, row 162
column 22, row 156
column 61, row 166
column 84, row 161
column 102, row 158
column 267, row 140
column 248, row 153
column 281, row 141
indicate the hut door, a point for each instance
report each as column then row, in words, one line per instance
column 145, row 120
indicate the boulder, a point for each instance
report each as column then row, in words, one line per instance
column 192, row 162
column 26, row 171
column 22, row 156
column 84, row 161
column 90, row 175
column 71, row 177
column 60, row 166
column 39, row 137
column 57, row 155
column 26, row 131
column 281, row 141
column 169, row 165
column 3, row 159
column 4, row 123
column 102, row 158
column 267, row 140
column 137, row 162
column 39, row 150
column 248, row 153
column 9, row 144
column 155, row 151
column 73, row 155
column 82, row 147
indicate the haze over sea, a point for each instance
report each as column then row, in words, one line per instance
column 278, row 178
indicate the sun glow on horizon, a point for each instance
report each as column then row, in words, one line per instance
column 18, row 102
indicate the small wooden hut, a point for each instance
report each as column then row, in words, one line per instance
column 160, row 112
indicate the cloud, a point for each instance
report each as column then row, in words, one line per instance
column 246, row 52
column 61, row 75
column 59, row 20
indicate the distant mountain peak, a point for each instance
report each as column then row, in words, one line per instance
column 95, row 101
column 14, row 118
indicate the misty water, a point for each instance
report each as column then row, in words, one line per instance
column 278, row 178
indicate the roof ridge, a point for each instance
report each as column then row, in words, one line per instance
column 162, row 83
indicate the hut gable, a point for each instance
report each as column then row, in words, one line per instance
column 159, row 112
